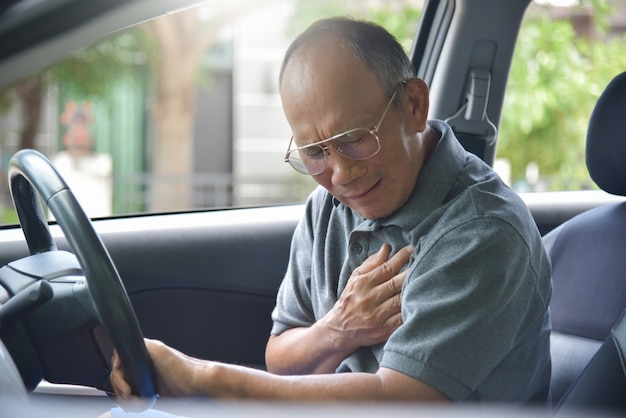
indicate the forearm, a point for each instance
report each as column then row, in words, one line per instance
column 180, row 375
column 235, row 382
column 241, row 383
column 367, row 313
column 311, row 350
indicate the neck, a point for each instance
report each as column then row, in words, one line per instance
column 430, row 139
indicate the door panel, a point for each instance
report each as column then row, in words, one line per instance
column 202, row 282
column 206, row 282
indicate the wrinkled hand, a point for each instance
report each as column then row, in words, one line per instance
column 174, row 372
column 368, row 310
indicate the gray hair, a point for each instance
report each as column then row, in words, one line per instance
column 371, row 44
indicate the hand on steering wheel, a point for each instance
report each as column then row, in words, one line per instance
column 31, row 176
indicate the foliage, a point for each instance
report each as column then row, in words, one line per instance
column 399, row 17
column 400, row 21
column 93, row 71
column 5, row 100
column 555, row 80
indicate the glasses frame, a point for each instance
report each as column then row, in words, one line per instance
column 325, row 144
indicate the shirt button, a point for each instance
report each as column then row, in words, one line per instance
column 357, row 248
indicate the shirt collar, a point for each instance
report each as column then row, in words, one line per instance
column 434, row 181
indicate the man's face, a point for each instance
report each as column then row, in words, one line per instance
column 325, row 91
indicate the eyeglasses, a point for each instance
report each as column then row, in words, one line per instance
column 356, row 144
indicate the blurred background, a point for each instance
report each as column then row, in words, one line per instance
column 183, row 112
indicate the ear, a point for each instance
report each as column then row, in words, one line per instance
column 416, row 100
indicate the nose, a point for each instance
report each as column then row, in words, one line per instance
column 343, row 170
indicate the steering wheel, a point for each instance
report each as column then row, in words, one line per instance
column 30, row 171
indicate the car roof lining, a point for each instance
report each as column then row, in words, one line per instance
column 64, row 28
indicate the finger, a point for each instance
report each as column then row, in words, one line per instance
column 393, row 313
column 120, row 386
column 390, row 307
column 390, row 289
column 393, row 323
column 386, row 328
column 391, row 267
column 375, row 260
column 402, row 257
column 394, row 285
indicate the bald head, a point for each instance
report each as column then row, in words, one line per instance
column 340, row 76
column 371, row 44
column 324, row 74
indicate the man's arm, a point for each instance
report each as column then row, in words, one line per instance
column 181, row 375
column 367, row 313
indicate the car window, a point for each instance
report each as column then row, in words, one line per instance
column 183, row 112
column 178, row 113
column 558, row 72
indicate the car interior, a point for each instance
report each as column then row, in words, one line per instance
column 205, row 281
column 588, row 264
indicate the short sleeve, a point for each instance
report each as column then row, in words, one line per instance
column 293, row 302
column 473, row 295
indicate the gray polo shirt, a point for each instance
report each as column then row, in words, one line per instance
column 475, row 303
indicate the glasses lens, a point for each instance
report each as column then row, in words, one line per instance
column 309, row 160
column 358, row 144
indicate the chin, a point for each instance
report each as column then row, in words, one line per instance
column 373, row 214
column 378, row 210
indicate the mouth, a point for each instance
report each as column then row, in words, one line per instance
column 363, row 195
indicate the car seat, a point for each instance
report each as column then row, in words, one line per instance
column 588, row 255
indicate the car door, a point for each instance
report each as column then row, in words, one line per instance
column 205, row 281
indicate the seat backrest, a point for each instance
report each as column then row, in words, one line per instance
column 602, row 385
column 588, row 252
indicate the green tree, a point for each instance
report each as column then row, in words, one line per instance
column 181, row 41
column 89, row 73
column 556, row 78
column 399, row 17
column 94, row 70
column 166, row 52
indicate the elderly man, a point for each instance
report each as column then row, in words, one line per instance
column 415, row 274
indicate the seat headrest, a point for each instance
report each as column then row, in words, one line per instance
column 606, row 138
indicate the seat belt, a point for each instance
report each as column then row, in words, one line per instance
column 470, row 123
